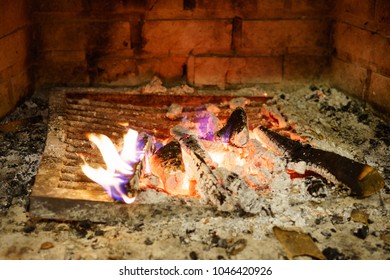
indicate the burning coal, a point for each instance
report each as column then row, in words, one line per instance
column 230, row 167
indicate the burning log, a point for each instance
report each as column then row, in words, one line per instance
column 183, row 135
column 361, row 179
column 236, row 130
column 144, row 146
column 233, row 193
column 208, row 186
column 167, row 163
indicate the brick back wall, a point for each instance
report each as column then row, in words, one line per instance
column 361, row 62
column 222, row 43
column 15, row 53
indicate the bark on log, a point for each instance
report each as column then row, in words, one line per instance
column 167, row 163
column 362, row 180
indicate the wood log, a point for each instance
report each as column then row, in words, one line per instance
column 183, row 135
column 167, row 163
column 235, row 131
column 207, row 184
column 144, row 145
column 361, row 179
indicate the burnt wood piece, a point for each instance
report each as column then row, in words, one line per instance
column 362, row 179
column 207, row 184
column 183, row 135
column 167, row 163
column 236, row 130
column 245, row 197
column 144, row 144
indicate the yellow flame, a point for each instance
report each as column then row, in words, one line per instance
column 109, row 181
column 110, row 154
column 129, row 151
column 119, row 166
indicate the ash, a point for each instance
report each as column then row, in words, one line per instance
column 338, row 123
column 329, row 119
column 22, row 138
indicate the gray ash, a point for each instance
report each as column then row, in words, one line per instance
column 21, row 149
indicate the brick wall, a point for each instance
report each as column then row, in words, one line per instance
column 361, row 62
column 221, row 43
column 15, row 53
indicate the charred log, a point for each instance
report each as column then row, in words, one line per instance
column 190, row 140
column 144, row 144
column 208, row 185
column 167, row 164
column 361, row 179
column 236, row 130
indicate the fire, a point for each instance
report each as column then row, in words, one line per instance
column 119, row 166
column 172, row 169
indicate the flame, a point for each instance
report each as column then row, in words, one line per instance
column 121, row 163
column 129, row 152
column 119, row 166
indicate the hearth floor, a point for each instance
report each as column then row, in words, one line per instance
column 204, row 233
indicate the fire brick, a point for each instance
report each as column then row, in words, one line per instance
column 204, row 71
column 59, row 67
column 113, row 70
column 309, row 7
column 59, row 6
column 365, row 48
column 118, row 6
column 13, row 15
column 21, row 85
column 252, row 70
column 304, row 67
column 5, row 92
column 349, row 77
column 13, row 48
column 170, row 69
column 80, row 35
column 224, row 71
column 361, row 9
column 379, row 91
column 182, row 37
column 275, row 37
column 383, row 11
column 176, row 9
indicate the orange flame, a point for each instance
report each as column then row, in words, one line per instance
column 119, row 166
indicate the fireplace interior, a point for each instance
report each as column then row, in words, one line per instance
column 280, row 110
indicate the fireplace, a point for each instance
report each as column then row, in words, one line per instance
column 313, row 72
column 182, row 148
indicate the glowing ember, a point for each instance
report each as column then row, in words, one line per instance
column 228, row 167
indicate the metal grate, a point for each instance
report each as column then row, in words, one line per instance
column 63, row 192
